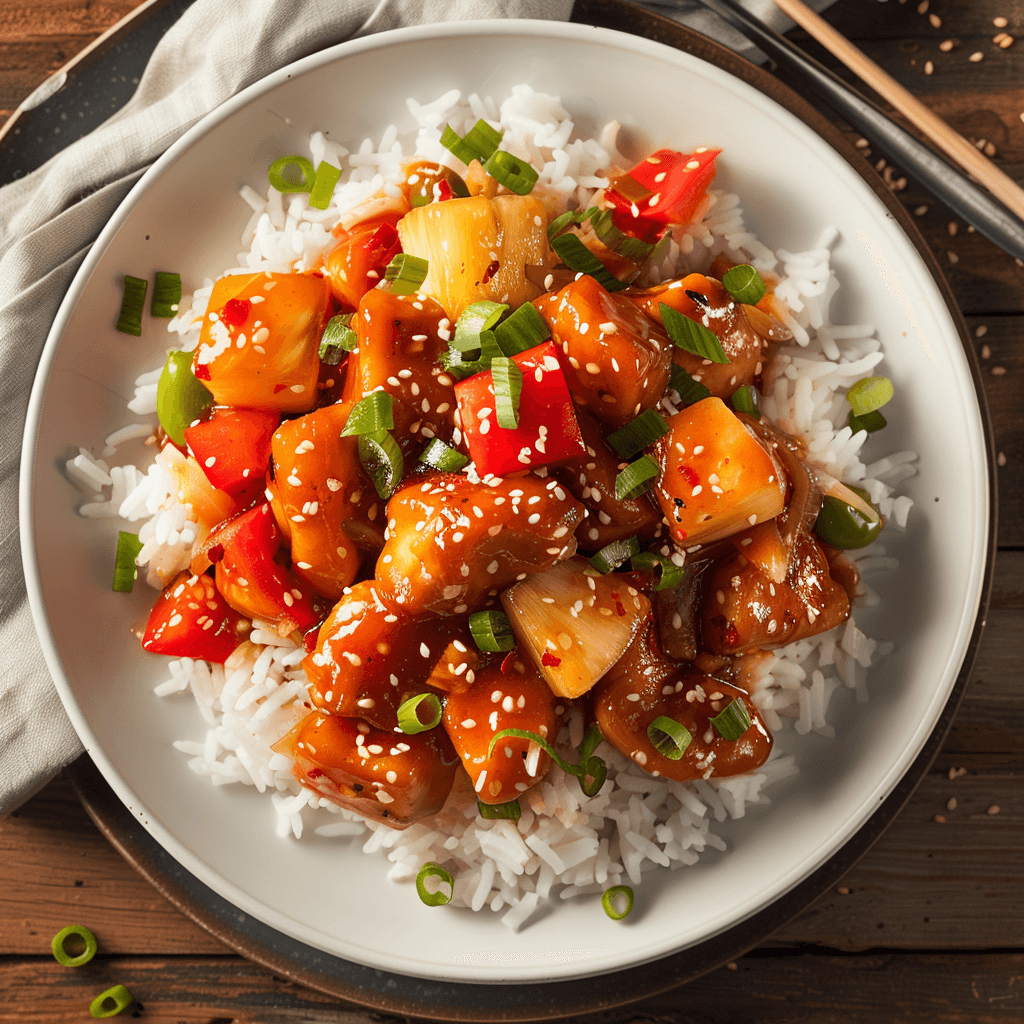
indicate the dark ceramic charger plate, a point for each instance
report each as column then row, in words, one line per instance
column 383, row 991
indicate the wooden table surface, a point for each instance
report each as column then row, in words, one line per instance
column 928, row 927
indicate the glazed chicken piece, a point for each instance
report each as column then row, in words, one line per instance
column 617, row 361
column 453, row 544
column 644, row 685
column 392, row 779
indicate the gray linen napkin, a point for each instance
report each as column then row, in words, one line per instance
column 49, row 219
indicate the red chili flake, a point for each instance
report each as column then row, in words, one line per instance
column 492, row 269
column 202, row 372
column 508, row 661
column 689, row 474
column 444, row 191
column 279, row 387
column 314, row 773
column 547, row 658
column 235, row 312
column 731, row 635
column 309, row 639
column 216, row 553
column 680, row 534
column 618, row 603
column 317, row 273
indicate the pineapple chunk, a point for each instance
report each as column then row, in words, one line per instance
column 477, row 248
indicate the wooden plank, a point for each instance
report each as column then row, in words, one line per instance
column 770, row 988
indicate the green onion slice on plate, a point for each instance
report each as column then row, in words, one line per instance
column 745, row 284
column 576, row 256
column 669, row 737
column 473, row 321
column 636, row 478
column 478, row 144
column 617, row 901
column 510, row 811
column 283, row 177
column 405, row 273
column 492, row 631
column 372, row 413
column 734, row 721
column 695, row 338
column 636, row 435
column 337, row 339
column 439, row 455
column 869, row 394
column 327, row 176
column 629, row 248
column 508, row 386
column 382, row 459
column 743, row 401
column 508, row 170
column 522, row 330
column 133, row 302
column 125, row 569
column 612, row 555
column 411, row 721
column 166, row 295
column 690, row 391
column 671, row 575
column 438, row 898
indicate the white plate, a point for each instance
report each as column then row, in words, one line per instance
column 185, row 215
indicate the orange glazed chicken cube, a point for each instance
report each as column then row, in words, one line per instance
column 716, row 478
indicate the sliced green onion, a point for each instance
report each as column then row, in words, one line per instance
column 181, row 398
column 611, row 896
column 743, row 401
column 459, row 366
column 409, row 720
column 115, row 1000
column 438, row 898
column 695, row 338
column 508, row 386
column 492, row 631
column 133, row 302
column 745, row 284
column 277, row 177
column 593, row 776
column 611, row 556
column 370, row 414
column 479, row 142
column 566, row 220
column 441, row 456
column 125, row 569
column 689, row 390
column 869, row 394
column 843, row 526
column 636, row 435
column 327, row 176
column 510, row 811
column 60, row 950
column 870, row 421
column 382, row 459
column 337, row 339
column 166, row 295
column 593, row 768
column 508, row 170
column 576, row 256
column 734, row 721
column 671, row 574
column 590, row 742
column 473, row 321
column 405, row 273
column 669, row 737
column 633, row 249
column 636, row 478
column 522, row 330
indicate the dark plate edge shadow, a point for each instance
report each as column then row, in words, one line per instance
column 393, row 993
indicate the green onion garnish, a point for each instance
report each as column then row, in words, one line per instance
column 745, row 284
column 327, row 176
column 166, row 295
column 576, row 256
column 508, row 386
column 590, row 742
column 60, row 950
column 633, row 249
column 522, row 330
column 843, row 526
column 869, row 394
column 337, row 339
column 129, row 320
column 479, row 142
column 695, row 338
column 611, row 556
column 743, row 401
column 669, row 737
column 276, row 174
column 870, row 421
column 382, row 459
column 438, row 898
column 671, row 574
column 370, row 414
column 443, row 457
column 591, row 772
column 181, row 398
column 635, row 478
column 611, row 896
column 473, row 321
column 409, row 720
column 636, row 435
column 734, row 721
column 125, row 570
column 459, row 366
column 405, row 273
column 508, row 170
column 566, row 220
column 689, row 390
column 492, row 631
column 115, row 1000
column 510, row 811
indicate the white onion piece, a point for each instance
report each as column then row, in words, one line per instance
column 574, row 626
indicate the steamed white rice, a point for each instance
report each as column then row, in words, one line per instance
column 564, row 845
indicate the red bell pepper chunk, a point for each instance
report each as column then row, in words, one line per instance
column 357, row 263
column 678, row 183
column 233, row 447
column 192, row 620
column 251, row 578
column 547, row 431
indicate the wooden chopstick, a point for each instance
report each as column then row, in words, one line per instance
column 930, row 124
